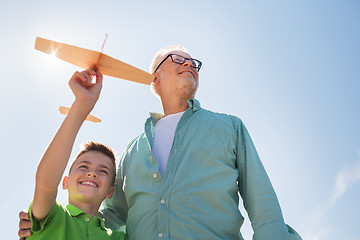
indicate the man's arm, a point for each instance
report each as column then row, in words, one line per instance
column 259, row 198
column 115, row 210
column 55, row 159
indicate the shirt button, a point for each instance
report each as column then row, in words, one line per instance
column 162, row 201
column 169, row 173
column 155, row 175
column 150, row 157
column 161, row 235
column 87, row 219
column 175, row 150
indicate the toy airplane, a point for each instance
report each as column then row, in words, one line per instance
column 85, row 58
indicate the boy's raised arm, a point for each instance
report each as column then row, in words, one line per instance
column 55, row 159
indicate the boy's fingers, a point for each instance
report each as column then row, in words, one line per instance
column 24, row 233
column 88, row 75
column 83, row 78
column 99, row 76
column 25, row 224
column 90, row 71
column 78, row 76
column 24, row 215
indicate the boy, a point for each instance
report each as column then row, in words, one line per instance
column 91, row 176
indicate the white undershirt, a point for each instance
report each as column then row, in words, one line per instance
column 164, row 137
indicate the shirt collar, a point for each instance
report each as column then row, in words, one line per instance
column 74, row 212
column 194, row 105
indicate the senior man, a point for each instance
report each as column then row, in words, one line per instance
column 181, row 177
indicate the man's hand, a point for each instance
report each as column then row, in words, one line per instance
column 24, row 225
column 84, row 90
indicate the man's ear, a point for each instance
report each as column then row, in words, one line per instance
column 156, row 79
column 65, row 183
column 110, row 193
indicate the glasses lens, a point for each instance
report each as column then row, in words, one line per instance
column 180, row 60
column 195, row 63
column 177, row 59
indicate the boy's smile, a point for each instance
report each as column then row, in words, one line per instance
column 89, row 183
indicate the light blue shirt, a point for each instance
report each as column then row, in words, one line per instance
column 212, row 159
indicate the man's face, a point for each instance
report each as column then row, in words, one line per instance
column 181, row 79
column 90, row 179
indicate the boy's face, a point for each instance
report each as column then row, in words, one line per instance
column 90, row 179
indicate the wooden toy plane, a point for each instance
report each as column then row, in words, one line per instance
column 85, row 58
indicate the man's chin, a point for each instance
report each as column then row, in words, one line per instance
column 188, row 90
column 188, row 81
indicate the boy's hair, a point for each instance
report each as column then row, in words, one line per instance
column 99, row 147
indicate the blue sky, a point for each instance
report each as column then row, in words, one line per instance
column 289, row 69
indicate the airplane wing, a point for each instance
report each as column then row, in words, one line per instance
column 65, row 111
column 85, row 58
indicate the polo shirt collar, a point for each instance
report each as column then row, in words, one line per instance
column 75, row 212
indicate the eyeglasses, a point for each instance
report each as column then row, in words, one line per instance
column 181, row 60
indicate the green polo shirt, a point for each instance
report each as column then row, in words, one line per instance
column 71, row 223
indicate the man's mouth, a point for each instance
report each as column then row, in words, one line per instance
column 89, row 183
column 188, row 72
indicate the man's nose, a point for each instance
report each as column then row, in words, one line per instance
column 188, row 63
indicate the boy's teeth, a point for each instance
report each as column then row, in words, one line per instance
column 89, row 183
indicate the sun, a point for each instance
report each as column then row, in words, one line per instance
column 53, row 53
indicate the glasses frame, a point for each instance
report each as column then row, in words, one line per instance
column 190, row 59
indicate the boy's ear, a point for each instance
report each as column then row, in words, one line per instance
column 65, row 183
column 110, row 193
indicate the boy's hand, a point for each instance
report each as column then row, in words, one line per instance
column 24, row 225
column 86, row 92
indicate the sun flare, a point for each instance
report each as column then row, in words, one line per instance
column 53, row 53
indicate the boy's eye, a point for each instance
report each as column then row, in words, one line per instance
column 104, row 171
column 83, row 166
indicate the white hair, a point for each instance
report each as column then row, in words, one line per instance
column 162, row 53
column 159, row 56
